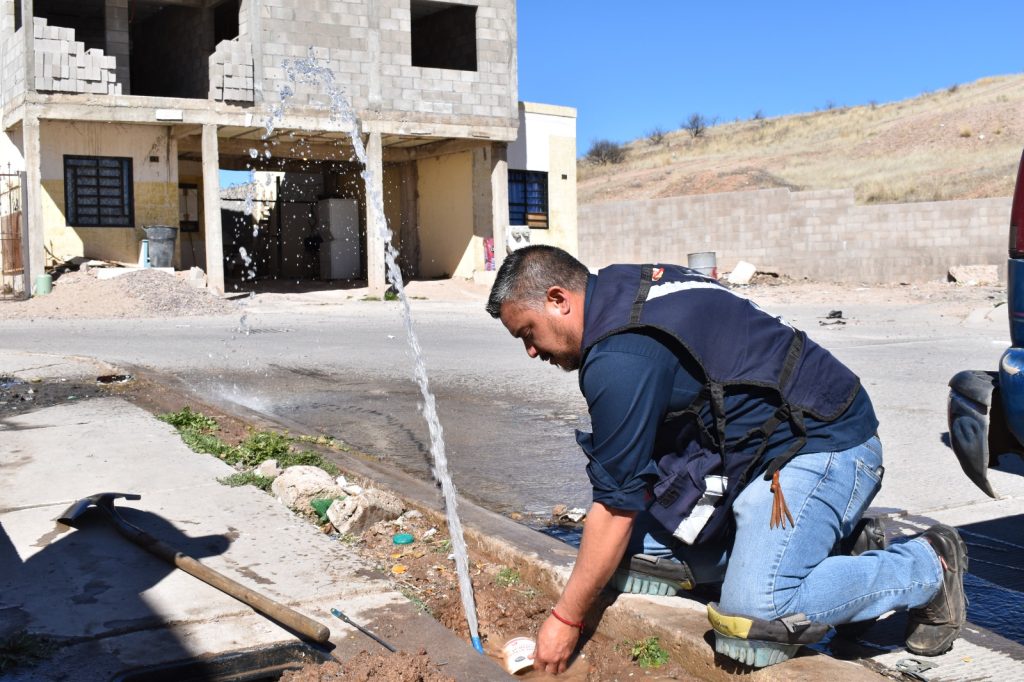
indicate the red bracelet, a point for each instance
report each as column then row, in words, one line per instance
column 566, row 621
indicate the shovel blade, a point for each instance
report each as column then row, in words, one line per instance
column 78, row 507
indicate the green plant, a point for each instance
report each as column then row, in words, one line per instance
column 247, row 478
column 370, row 298
column 443, row 546
column 507, row 577
column 648, row 652
column 186, row 418
column 23, row 648
column 390, row 295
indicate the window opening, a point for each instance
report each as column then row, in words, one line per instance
column 86, row 18
column 443, row 35
column 98, row 191
column 188, row 208
column 528, row 198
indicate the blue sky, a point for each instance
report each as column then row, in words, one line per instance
column 629, row 67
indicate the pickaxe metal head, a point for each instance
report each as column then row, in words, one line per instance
column 104, row 501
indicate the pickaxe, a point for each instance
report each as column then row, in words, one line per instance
column 290, row 618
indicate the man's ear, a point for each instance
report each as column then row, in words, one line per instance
column 559, row 297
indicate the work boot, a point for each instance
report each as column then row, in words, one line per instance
column 868, row 534
column 933, row 627
column 646, row 574
column 757, row 642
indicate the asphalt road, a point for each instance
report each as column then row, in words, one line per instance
column 346, row 370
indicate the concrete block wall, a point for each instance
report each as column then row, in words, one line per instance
column 62, row 64
column 12, row 59
column 231, row 71
column 368, row 47
column 821, row 235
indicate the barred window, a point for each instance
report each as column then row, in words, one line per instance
column 98, row 191
column 528, row 198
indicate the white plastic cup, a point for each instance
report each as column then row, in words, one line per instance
column 518, row 654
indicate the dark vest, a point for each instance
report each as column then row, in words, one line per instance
column 736, row 344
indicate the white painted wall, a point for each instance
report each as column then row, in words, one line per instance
column 538, row 124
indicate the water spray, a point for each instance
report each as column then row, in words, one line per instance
column 309, row 71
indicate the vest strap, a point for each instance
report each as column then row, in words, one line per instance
column 646, row 279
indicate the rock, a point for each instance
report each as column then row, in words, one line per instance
column 268, row 468
column 742, row 273
column 297, row 485
column 341, row 481
column 413, row 514
column 352, row 489
column 558, row 510
column 974, row 275
column 356, row 514
column 197, row 278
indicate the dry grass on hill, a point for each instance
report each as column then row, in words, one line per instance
column 962, row 142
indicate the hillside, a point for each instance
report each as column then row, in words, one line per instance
column 957, row 143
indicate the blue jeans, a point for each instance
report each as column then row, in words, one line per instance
column 774, row 572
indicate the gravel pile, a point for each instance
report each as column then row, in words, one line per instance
column 141, row 293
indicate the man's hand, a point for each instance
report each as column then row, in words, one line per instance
column 605, row 535
column 555, row 644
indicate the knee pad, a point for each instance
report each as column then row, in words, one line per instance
column 757, row 642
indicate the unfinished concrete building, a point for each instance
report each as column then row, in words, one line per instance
column 122, row 113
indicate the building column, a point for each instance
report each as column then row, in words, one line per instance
column 375, row 220
column 211, row 210
column 33, row 211
column 499, row 200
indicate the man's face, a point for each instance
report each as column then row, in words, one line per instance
column 553, row 334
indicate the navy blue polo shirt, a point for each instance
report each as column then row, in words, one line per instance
column 632, row 380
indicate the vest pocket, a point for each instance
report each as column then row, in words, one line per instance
column 682, row 486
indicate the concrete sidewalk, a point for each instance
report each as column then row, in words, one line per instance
column 116, row 607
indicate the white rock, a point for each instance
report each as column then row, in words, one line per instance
column 413, row 514
column 197, row 278
column 742, row 273
column 356, row 514
column 297, row 485
column 353, row 489
column 268, row 468
column 341, row 481
column 973, row 275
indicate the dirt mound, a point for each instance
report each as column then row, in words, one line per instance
column 140, row 293
column 363, row 667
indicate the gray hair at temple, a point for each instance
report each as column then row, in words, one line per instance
column 527, row 273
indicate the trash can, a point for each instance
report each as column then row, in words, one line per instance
column 161, row 245
column 704, row 262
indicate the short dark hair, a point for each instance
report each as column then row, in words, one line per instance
column 527, row 273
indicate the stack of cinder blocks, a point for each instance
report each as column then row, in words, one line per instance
column 63, row 64
column 231, row 74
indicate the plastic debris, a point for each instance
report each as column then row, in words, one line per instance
column 402, row 538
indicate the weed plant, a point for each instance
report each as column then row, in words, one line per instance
column 648, row 653
column 198, row 432
column 507, row 577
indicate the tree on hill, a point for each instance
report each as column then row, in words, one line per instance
column 605, row 152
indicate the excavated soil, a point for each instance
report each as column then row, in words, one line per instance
column 363, row 667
